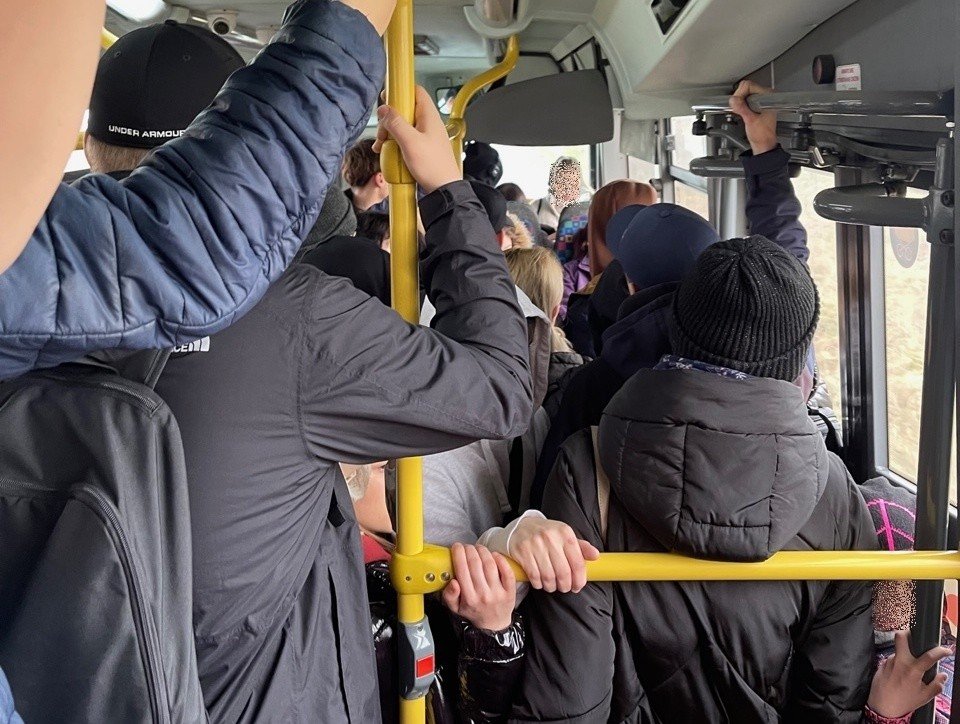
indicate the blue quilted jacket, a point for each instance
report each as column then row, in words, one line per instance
column 192, row 239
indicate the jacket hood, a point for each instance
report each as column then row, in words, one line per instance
column 639, row 339
column 337, row 218
column 143, row 366
column 711, row 466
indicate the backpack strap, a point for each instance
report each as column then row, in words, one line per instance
column 603, row 484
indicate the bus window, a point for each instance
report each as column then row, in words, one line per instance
column 691, row 198
column 529, row 166
column 640, row 170
column 822, row 240
column 906, row 268
column 686, row 146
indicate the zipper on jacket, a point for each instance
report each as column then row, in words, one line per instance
column 149, row 648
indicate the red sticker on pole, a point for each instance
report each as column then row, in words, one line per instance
column 424, row 666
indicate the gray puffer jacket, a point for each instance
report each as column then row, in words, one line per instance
column 716, row 468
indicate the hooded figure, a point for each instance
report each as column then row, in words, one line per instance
column 710, row 454
column 658, row 245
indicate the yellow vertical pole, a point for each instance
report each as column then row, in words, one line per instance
column 405, row 286
column 106, row 38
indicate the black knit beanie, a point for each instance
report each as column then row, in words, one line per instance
column 747, row 305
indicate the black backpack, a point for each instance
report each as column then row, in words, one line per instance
column 95, row 548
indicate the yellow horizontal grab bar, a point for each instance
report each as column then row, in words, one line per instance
column 431, row 570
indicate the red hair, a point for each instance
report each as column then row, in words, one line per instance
column 605, row 203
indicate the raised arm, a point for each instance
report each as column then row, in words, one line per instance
column 375, row 387
column 49, row 55
column 193, row 238
column 772, row 210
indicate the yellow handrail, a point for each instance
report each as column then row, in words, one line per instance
column 456, row 127
column 106, row 38
column 405, row 288
column 430, row 570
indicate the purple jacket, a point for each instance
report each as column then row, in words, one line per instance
column 576, row 275
column 639, row 339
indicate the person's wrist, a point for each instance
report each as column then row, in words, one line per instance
column 439, row 181
column 763, row 144
column 494, row 625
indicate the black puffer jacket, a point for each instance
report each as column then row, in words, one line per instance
column 477, row 671
column 718, row 468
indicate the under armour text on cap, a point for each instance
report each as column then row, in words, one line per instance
column 154, row 81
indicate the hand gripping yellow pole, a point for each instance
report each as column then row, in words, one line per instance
column 405, row 287
column 456, row 127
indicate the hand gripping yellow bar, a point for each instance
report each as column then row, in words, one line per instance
column 405, row 289
column 431, row 570
column 456, row 127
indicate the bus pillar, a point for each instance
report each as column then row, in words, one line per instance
column 936, row 408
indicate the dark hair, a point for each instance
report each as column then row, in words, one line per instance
column 373, row 225
column 360, row 163
column 579, row 244
column 512, row 192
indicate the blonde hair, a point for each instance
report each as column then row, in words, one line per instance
column 517, row 231
column 538, row 273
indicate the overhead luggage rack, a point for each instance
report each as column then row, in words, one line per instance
column 842, row 103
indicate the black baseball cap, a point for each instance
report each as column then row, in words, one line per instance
column 494, row 204
column 154, row 81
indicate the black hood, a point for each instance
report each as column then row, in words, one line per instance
column 711, row 466
column 143, row 366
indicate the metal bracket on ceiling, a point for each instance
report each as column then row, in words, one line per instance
column 882, row 204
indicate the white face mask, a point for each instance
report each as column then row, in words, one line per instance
column 358, row 480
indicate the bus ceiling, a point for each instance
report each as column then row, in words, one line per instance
column 663, row 55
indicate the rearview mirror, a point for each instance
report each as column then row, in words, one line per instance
column 566, row 109
column 445, row 97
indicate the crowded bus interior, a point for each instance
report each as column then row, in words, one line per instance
column 474, row 361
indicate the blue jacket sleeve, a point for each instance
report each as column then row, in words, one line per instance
column 8, row 714
column 191, row 239
column 773, row 209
